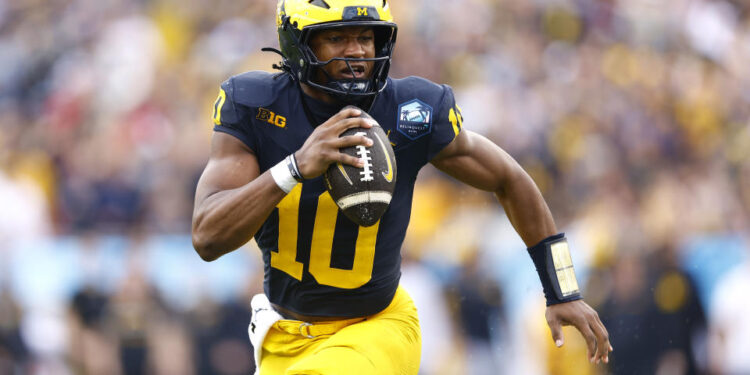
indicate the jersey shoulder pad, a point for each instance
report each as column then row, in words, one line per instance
column 417, row 87
column 256, row 88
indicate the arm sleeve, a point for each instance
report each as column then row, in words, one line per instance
column 447, row 123
column 232, row 118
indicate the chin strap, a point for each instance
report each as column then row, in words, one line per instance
column 283, row 65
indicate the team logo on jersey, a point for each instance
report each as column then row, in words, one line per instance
column 414, row 119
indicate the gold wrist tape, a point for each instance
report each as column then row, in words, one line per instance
column 566, row 276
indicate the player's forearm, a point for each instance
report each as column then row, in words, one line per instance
column 226, row 220
column 526, row 208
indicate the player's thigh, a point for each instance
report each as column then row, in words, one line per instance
column 381, row 347
column 372, row 347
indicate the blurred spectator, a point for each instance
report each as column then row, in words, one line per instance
column 477, row 301
column 681, row 320
column 439, row 336
column 92, row 345
column 655, row 318
column 221, row 343
column 624, row 314
column 138, row 315
column 14, row 355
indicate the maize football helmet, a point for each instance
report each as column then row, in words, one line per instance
column 297, row 20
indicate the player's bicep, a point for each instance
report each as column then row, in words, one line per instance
column 231, row 165
column 477, row 161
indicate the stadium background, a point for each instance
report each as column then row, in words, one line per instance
column 632, row 116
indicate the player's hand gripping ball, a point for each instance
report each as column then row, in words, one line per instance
column 363, row 194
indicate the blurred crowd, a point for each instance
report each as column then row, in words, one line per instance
column 631, row 116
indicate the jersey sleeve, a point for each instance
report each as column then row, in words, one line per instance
column 233, row 118
column 447, row 123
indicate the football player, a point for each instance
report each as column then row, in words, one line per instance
column 332, row 303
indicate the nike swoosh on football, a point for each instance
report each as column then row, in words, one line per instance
column 343, row 172
column 389, row 175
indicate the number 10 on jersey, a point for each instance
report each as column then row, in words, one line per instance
column 321, row 246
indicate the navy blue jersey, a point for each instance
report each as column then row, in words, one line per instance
column 317, row 261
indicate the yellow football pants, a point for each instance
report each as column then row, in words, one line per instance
column 382, row 344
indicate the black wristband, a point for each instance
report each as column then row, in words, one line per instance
column 554, row 265
column 291, row 163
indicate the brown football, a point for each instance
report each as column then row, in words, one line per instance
column 363, row 194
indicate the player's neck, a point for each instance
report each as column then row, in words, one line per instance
column 319, row 111
column 318, row 95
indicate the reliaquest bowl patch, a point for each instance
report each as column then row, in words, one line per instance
column 414, row 119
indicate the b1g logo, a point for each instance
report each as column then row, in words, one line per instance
column 414, row 119
column 271, row 118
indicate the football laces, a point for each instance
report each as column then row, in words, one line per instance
column 364, row 154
